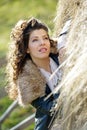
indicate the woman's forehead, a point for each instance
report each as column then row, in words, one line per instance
column 38, row 32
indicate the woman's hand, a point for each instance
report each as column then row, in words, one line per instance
column 61, row 54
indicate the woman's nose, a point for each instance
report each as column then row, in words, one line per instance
column 42, row 42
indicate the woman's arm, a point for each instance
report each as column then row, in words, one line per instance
column 46, row 106
column 62, row 39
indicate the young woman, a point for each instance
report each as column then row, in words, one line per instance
column 32, row 60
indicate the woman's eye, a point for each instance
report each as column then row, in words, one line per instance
column 46, row 38
column 34, row 40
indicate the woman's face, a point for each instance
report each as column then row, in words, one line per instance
column 39, row 44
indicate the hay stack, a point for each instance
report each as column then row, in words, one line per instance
column 73, row 99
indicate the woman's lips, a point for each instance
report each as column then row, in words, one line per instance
column 43, row 50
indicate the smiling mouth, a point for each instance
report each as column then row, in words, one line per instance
column 43, row 50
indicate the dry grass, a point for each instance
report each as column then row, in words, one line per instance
column 73, row 98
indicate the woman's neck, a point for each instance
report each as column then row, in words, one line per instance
column 43, row 63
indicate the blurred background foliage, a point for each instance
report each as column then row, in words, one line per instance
column 10, row 12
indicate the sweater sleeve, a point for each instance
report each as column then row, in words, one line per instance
column 63, row 35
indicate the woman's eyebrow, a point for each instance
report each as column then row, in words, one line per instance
column 44, row 35
column 33, row 37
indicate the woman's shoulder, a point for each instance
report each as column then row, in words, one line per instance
column 31, row 84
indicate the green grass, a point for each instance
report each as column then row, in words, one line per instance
column 18, row 115
column 2, row 78
column 10, row 12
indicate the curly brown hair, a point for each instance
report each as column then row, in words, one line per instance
column 18, row 51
